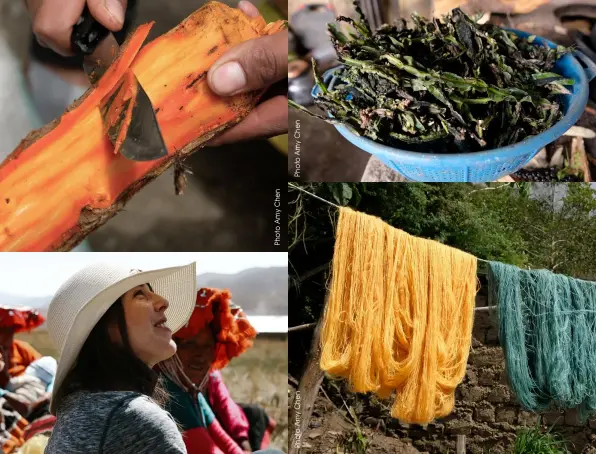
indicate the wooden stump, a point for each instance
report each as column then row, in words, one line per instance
column 461, row 444
column 304, row 400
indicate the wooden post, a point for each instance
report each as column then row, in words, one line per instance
column 461, row 444
column 304, row 400
column 306, row 326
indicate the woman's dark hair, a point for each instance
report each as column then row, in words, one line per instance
column 106, row 365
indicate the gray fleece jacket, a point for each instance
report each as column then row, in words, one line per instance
column 118, row 422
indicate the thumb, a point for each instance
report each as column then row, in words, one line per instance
column 252, row 65
column 110, row 13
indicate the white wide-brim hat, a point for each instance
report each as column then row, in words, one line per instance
column 86, row 296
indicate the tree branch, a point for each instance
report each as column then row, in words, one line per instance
column 304, row 327
column 304, row 401
column 308, row 275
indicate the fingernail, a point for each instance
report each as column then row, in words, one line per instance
column 248, row 8
column 41, row 42
column 228, row 78
column 116, row 10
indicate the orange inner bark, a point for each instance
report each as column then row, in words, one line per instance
column 44, row 185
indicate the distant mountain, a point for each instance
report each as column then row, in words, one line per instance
column 260, row 291
column 40, row 302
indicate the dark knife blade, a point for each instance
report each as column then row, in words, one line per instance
column 96, row 63
column 143, row 140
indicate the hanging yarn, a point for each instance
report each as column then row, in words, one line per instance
column 399, row 316
column 547, row 328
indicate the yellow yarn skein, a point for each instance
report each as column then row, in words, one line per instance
column 399, row 316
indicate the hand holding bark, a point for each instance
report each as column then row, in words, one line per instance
column 254, row 65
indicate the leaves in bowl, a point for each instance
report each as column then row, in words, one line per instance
column 449, row 85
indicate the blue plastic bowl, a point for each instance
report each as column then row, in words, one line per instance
column 488, row 165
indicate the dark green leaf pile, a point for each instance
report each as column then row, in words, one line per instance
column 551, row 174
column 449, row 84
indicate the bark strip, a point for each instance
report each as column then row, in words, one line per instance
column 64, row 180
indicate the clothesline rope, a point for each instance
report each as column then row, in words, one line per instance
column 314, row 195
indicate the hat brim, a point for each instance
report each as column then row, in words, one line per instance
column 176, row 284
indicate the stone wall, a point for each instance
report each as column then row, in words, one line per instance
column 486, row 410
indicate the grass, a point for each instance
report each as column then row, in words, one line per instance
column 354, row 442
column 40, row 339
column 259, row 376
column 534, row 441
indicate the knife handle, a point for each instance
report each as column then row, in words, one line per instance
column 87, row 33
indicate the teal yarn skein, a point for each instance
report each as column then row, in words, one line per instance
column 547, row 329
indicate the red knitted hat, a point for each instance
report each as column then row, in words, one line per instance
column 20, row 318
column 233, row 332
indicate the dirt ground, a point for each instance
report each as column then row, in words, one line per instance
column 228, row 205
column 331, row 428
column 324, row 155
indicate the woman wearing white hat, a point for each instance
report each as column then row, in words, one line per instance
column 112, row 326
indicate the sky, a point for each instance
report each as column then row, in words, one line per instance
column 40, row 274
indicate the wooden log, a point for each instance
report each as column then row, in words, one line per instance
column 461, row 444
column 308, row 389
column 302, row 327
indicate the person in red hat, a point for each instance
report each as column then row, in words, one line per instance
column 17, row 400
column 216, row 332
column 24, row 392
column 18, row 354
